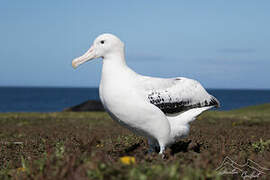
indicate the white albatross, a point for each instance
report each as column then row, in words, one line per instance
column 157, row 108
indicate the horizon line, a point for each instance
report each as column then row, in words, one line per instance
column 92, row 87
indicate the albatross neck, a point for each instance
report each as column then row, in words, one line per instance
column 115, row 59
column 115, row 65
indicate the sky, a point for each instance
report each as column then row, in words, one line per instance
column 222, row 43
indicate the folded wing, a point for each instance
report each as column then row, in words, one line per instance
column 178, row 94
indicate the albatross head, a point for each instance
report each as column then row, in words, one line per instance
column 104, row 46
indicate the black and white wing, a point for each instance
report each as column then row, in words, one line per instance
column 178, row 94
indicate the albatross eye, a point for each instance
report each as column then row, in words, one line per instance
column 102, row 42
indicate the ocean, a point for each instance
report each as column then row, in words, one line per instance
column 40, row 99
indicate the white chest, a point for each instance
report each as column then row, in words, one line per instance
column 116, row 94
column 117, row 90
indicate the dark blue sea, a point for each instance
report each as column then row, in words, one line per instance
column 29, row 99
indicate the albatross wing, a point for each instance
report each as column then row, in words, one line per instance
column 177, row 95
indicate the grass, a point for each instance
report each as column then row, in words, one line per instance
column 66, row 145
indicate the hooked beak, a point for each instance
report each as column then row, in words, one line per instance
column 89, row 55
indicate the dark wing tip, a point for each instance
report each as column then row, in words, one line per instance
column 214, row 102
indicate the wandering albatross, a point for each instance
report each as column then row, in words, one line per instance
column 159, row 109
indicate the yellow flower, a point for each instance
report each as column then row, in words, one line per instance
column 99, row 145
column 127, row 160
column 22, row 169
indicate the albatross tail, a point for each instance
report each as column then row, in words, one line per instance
column 180, row 122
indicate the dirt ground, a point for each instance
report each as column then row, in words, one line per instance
column 91, row 145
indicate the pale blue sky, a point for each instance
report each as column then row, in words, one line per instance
column 223, row 44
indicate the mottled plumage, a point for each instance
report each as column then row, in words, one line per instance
column 182, row 95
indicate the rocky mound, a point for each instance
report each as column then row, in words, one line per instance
column 90, row 105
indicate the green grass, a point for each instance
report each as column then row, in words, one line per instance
column 89, row 145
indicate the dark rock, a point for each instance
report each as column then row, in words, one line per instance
column 90, row 105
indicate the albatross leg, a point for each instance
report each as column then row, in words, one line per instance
column 162, row 150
